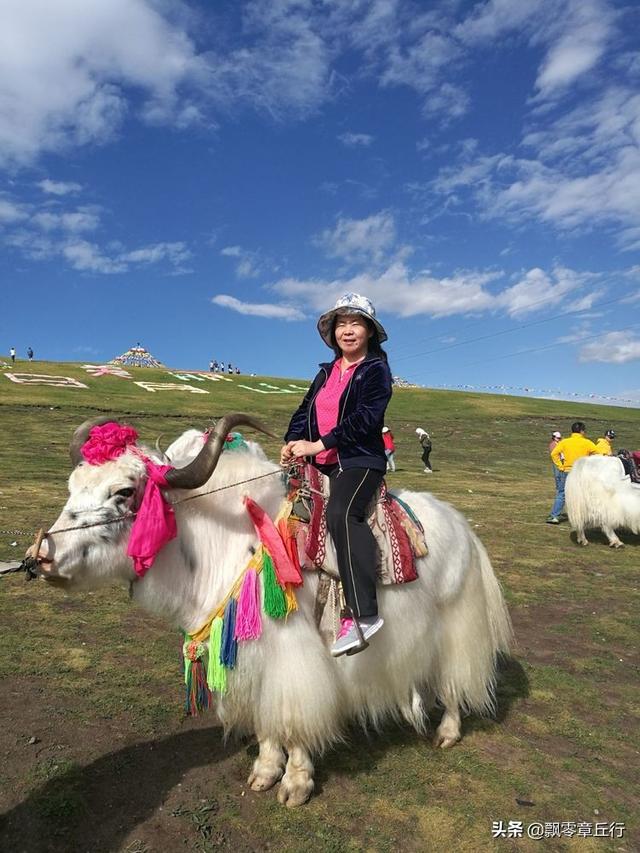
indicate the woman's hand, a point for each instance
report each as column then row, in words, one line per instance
column 286, row 456
column 305, row 448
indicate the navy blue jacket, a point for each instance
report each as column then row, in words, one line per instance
column 358, row 433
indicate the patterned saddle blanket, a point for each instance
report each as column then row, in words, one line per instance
column 399, row 535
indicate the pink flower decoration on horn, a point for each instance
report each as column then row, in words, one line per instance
column 108, row 441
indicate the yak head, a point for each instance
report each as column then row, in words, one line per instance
column 87, row 544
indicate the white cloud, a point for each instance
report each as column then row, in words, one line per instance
column 587, row 28
column 49, row 235
column 247, row 265
column 66, row 70
column 356, row 140
column 282, row 66
column 397, row 291
column 574, row 33
column 613, row 347
column 12, row 212
column 176, row 253
column 253, row 309
column 59, row 187
column 83, row 219
column 488, row 21
column 359, row 239
column 88, row 257
column 421, row 66
column 537, row 290
column 585, row 172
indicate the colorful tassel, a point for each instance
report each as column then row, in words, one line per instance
column 270, row 537
column 290, row 598
column 274, row 601
column 216, row 673
column 229, row 645
column 197, row 693
column 248, row 619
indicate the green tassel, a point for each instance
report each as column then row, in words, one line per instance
column 216, row 673
column 275, row 604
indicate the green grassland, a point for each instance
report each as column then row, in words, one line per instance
column 114, row 765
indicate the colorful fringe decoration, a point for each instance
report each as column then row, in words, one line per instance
column 197, row 693
column 290, row 598
column 248, row 621
column 271, row 539
column 216, row 673
column 212, row 650
column 273, row 595
column 229, row 644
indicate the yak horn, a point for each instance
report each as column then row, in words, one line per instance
column 161, row 452
column 197, row 472
column 81, row 435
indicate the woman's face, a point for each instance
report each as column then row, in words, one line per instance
column 352, row 334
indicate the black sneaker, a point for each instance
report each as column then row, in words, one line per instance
column 553, row 519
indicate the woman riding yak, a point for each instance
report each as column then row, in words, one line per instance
column 338, row 427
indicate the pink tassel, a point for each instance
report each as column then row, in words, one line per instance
column 248, row 619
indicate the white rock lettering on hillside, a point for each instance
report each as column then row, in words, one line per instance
column 43, row 379
column 266, row 388
column 200, row 377
column 106, row 370
column 169, row 386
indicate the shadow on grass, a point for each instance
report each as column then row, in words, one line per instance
column 597, row 537
column 363, row 751
column 96, row 806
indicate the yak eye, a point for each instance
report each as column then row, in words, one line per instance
column 125, row 493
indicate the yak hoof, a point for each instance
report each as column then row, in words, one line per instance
column 295, row 793
column 445, row 741
column 583, row 542
column 617, row 544
column 263, row 780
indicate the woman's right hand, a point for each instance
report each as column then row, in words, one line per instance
column 286, row 456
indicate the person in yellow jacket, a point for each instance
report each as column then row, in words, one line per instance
column 563, row 455
column 604, row 444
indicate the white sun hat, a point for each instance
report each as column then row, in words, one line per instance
column 350, row 303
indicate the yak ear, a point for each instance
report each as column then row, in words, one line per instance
column 198, row 471
column 81, row 435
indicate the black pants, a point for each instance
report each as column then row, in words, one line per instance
column 425, row 457
column 350, row 495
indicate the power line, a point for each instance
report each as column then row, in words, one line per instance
column 540, row 349
column 510, row 331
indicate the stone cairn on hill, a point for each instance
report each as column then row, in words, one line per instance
column 136, row 356
column 399, row 382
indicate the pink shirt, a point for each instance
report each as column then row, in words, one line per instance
column 327, row 404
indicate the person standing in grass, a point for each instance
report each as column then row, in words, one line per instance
column 12, row 353
column 338, row 426
column 563, row 455
column 425, row 442
column 389, row 448
column 30, row 354
column 604, row 444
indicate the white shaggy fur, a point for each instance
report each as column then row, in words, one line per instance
column 440, row 638
column 599, row 494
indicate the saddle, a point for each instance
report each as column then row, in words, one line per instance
column 397, row 531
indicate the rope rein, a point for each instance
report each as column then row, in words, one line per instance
column 127, row 515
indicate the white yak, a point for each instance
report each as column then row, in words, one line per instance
column 599, row 494
column 441, row 636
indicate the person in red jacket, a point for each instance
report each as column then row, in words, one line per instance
column 389, row 448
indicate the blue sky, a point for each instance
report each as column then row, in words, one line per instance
column 207, row 178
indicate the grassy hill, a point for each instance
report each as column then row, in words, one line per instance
column 97, row 683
